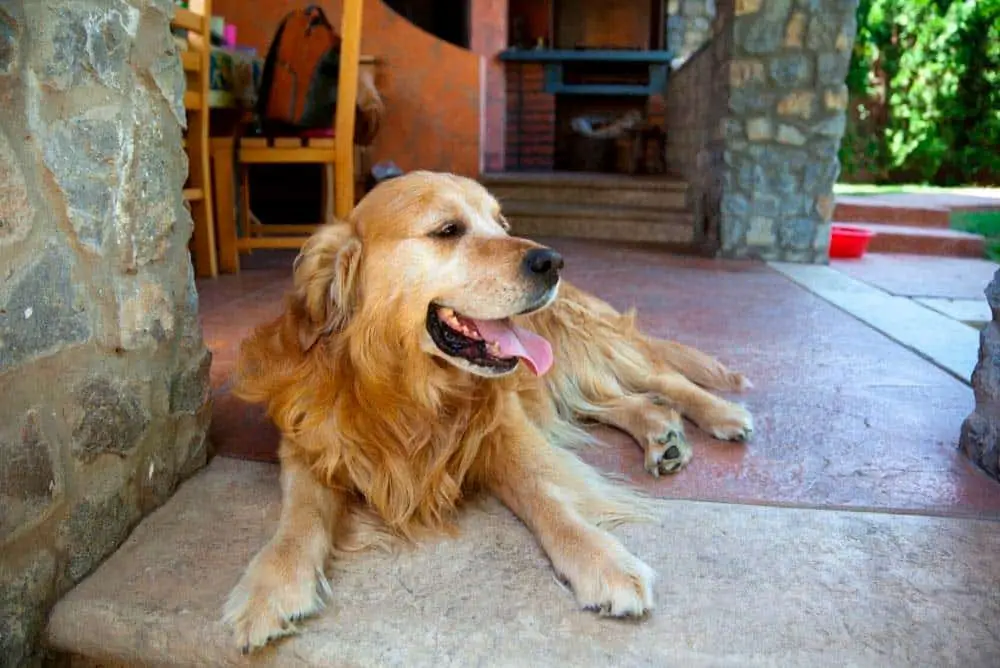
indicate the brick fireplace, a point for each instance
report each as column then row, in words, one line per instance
column 595, row 59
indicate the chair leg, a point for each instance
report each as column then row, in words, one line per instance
column 225, row 204
column 328, row 194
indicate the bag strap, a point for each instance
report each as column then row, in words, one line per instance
column 267, row 74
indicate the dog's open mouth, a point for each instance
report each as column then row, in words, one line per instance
column 497, row 345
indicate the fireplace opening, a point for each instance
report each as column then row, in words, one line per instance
column 609, row 147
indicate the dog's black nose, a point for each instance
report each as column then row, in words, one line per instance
column 543, row 262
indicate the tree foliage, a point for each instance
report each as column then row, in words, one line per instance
column 925, row 93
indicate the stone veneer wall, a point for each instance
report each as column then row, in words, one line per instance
column 689, row 26
column 980, row 439
column 784, row 116
column 104, row 398
column 787, row 105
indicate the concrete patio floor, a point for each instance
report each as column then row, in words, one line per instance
column 850, row 531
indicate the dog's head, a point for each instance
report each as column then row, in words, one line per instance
column 426, row 265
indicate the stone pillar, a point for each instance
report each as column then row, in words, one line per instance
column 104, row 398
column 980, row 439
column 787, row 100
column 689, row 26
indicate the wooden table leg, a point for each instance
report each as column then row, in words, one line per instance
column 225, row 204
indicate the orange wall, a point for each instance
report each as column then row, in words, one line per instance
column 434, row 107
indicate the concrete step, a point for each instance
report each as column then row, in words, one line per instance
column 738, row 586
column 609, row 223
column 885, row 213
column 923, row 240
column 589, row 189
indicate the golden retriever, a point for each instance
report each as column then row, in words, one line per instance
column 426, row 354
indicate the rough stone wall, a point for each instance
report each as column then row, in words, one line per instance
column 689, row 26
column 787, row 99
column 980, row 439
column 104, row 397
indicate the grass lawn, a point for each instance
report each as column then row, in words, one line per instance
column 911, row 188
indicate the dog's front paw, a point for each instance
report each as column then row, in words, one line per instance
column 620, row 586
column 735, row 423
column 667, row 451
column 274, row 593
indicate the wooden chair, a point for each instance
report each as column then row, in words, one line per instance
column 336, row 154
column 198, row 190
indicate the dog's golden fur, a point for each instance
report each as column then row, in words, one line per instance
column 377, row 423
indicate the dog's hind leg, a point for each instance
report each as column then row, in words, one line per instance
column 657, row 428
column 694, row 365
column 720, row 418
column 285, row 581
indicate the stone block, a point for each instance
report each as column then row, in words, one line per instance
column 30, row 477
column 751, row 101
column 760, row 232
column 795, row 30
column 41, row 313
column 9, row 37
column 799, row 103
column 25, row 594
column 764, row 206
column 735, row 205
column 831, row 68
column 145, row 314
column 111, row 419
column 88, row 41
column 797, row 234
column 980, row 441
column 791, row 71
column 94, row 528
column 751, row 177
column 189, row 388
column 745, row 71
column 831, row 127
column 85, row 155
column 759, row 35
column 836, row 98
column 748, row 6
column 790, row 135
column 15, row 206
column 825, row 205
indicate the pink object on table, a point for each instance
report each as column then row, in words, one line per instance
column 229, row 35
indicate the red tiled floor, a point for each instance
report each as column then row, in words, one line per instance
column 921, row 275
column 845, row 417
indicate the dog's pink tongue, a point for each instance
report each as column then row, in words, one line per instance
column 515, row 341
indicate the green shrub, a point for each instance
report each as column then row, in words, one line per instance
column 925, row 93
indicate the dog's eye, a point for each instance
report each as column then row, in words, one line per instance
column 449, row 230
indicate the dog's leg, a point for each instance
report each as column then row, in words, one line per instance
column 285, row 581
column 657, row 428
column 546, row 487
column 695, row 365
column 720, row 418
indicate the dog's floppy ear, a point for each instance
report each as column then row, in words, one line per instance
column 325, row 277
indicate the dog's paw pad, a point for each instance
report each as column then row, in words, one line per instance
column 671, row 453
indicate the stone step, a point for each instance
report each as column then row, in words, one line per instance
column 609, row 223
column 489, row 597
column 923, row 240
column 589, row 189
column 885, row 213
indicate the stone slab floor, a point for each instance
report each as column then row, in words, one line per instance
column 849, row 532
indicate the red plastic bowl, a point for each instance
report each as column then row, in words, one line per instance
column 849, row 242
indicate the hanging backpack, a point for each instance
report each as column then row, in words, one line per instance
column 298, row 88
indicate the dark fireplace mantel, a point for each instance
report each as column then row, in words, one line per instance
column 553, row 61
